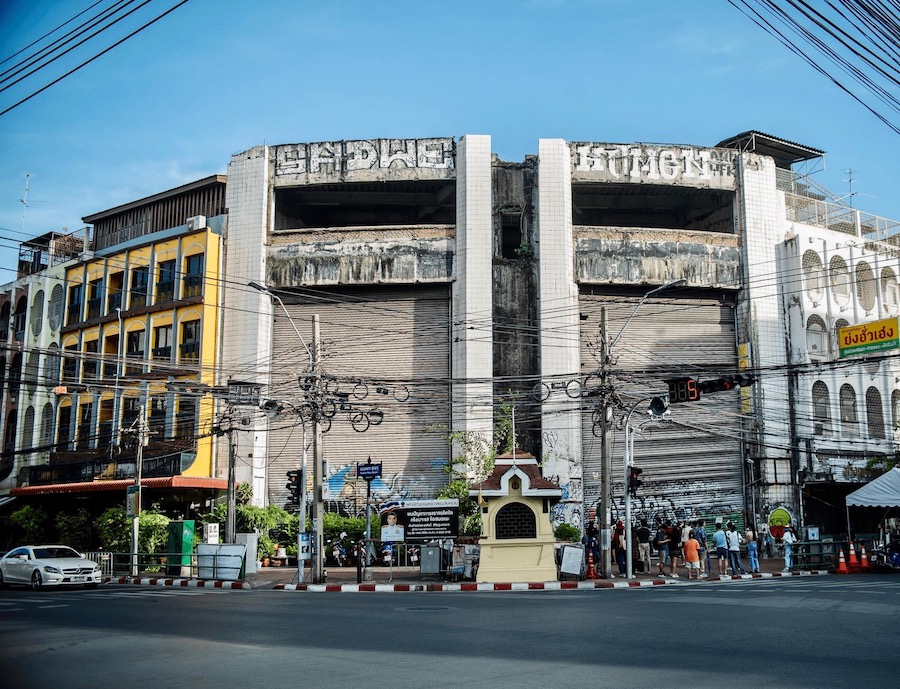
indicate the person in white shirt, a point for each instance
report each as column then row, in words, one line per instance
column 734, row 549
column 788, row 538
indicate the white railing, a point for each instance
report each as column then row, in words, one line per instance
column 833, row 216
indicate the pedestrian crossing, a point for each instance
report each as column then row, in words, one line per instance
column 62, row 599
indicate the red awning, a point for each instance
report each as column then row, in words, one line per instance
column 165, row 482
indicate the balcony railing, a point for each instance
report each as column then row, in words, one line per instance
column 114, row 301
column 102, row 470
column 190, row 351
column 93, row 307
column 193, row 285
column 138, row 298
column 73, row 313
column 832, row 216
column 165, row 291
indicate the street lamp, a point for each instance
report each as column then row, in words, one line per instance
column 318, row 564
column 658, row 408
column 605, row 409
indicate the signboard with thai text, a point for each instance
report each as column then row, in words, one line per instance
column 421, row 519
column 877, row 336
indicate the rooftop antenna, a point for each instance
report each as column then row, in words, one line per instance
column 24, row 200
column 849, row 182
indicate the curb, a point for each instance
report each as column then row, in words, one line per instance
column 473, row 587
column 193, row 583
column 769, row 575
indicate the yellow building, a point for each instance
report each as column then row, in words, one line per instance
column 137, row 348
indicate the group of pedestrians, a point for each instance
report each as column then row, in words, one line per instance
column 689, row 543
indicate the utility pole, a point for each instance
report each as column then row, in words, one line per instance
column 318, row 573
column 231, row 510
column 605, row 453
column 136, row 490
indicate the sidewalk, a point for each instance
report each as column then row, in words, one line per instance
column 403, row 579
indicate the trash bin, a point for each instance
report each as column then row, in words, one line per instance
column 180, row 548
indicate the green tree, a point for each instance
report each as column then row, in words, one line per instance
column 32, row 524
column 74, row 529
column 473, row 463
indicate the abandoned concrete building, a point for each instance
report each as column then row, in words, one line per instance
column 447, row 283
column 396, row 292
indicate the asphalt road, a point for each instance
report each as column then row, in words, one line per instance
column 796, row 632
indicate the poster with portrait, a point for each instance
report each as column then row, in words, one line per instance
column 393, row 528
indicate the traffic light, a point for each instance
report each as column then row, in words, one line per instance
column 683, row 390
column 293, row 485
column 689, row 389
column 717, row 385
column 634, row 481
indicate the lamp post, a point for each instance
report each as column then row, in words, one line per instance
column 318, row 562
column 658, row 408
column 606, row 409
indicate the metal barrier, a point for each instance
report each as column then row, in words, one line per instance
column 148, row 564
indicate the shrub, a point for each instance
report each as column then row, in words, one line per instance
column 74, row 530
column 567, row 532
column 32, row 524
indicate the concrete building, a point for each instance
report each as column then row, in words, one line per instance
column 120, row 331
column 400, row 292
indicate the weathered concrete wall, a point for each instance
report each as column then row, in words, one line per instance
column 363, row 161
column 624, row 256
column 354, row 257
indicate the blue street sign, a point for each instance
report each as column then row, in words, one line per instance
column 368, row 471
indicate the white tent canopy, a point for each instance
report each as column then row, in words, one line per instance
column 884, row 491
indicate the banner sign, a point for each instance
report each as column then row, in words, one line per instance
column 420, row 520
column 877, row 336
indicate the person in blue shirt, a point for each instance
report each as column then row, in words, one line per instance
column 721, row 543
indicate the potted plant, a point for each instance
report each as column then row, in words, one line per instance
column 265, row 548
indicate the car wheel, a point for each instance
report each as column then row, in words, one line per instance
column 36, row 581
column 90, row 586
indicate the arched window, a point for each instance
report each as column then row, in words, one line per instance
column 52, row 364
column 835, row 340
column 840, row 280
column 874, row 413
column 813, row 275
column 890, row 291
column 515, row 520
column 865, row 286
column 32, row 370
column 19, row 319
column 816, row 340
column 56, row 308
column 15, row 374
column 37, row 313
column 821, row 409
column 28, row 429
column 895, row 409
column 47, row 415
column 849, row 417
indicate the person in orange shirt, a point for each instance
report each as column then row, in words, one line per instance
column 692, row 558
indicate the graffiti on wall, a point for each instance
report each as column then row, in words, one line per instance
column 336, row 157
column 648, row 163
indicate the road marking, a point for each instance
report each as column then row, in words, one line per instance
column 61, row 605
column 12, row 610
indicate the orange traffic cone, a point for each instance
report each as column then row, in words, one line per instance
column 842, row 564
column 863, row 560
column 853, row 562
column 591, row 573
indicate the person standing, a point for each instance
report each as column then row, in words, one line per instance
column 692, row 557
column 734, row 549
column 619, row 546
column 643, row 538
column 720, row 542
column 752, row 551
column 662, row 547
column 674, row 549
column 700, row 534
column 788, row 538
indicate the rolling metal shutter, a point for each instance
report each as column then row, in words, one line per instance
column 692, row 465
column 385, row 349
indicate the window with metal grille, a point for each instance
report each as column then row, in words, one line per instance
column 890, row 291
column 840, row 280
column 821, row 409
column 813, row 275
column 140, row 279
column 46, row 424
column 895, row 408
column 37, row 313
column 849, row 418
column 55, row 312
column 816, row 342
column 874, row 413
column 515, row 520
column 865, row 286
column 836, row 344
column 165, row 286
column 193, row 275
column 134, row 349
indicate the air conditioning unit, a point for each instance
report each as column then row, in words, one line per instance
column 197, row 222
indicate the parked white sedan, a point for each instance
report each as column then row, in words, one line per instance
column 48, row 565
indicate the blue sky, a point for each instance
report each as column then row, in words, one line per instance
column 216, row 77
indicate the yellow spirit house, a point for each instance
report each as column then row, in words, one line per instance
column 124, row 336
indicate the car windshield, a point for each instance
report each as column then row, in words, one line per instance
column 51, row 552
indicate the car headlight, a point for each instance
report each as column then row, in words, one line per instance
column 51, row 569
column 97, row 569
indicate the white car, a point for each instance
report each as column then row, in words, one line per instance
column 48, row 565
